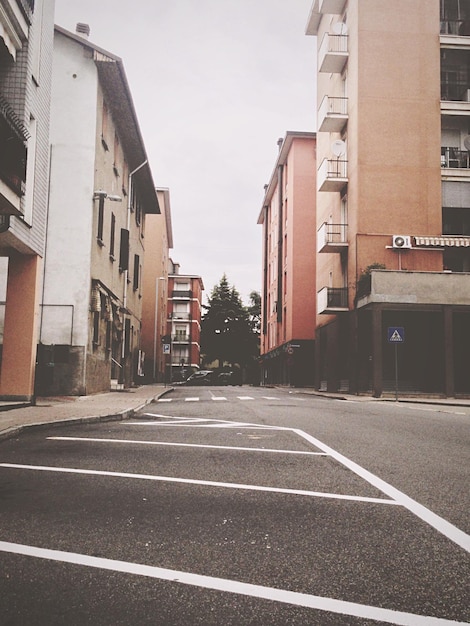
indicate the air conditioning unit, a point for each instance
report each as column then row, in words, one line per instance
column 401, row 241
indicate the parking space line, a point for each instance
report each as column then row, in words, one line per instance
column 192, row 481
column 438, row 523
column 224, row 585
column 186, row 445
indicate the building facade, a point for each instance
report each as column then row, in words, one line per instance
column 184, row 324
column 101, row 190
column 155, row 288
column 26, row 43
column 393, row 195
column 288, row 300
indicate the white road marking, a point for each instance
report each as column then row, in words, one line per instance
column 270, row 398
column 164, row 399
column 245, row 397
column 192, row 481
column 440, row 524
column 224, row 585
column 191, row 399
column 219, row 398
column 186, row 445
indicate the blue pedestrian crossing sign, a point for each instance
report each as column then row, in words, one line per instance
column 396, row 334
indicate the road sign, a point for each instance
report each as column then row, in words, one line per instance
column 166, row 348
column 396, row 334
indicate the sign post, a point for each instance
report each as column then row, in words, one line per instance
column 396, row 335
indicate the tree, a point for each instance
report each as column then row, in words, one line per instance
column 227, row 334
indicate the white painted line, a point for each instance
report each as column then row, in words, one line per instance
column 218, row 398
column 439, row 523
column 224, row 585
column 245, row 398
column 164, row 399
column 191, row 399
column 192, row 481
column 270, row 398
column 186, row 445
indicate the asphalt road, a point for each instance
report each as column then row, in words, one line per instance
column 237, row 506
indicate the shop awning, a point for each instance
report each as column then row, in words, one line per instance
column 443, row 242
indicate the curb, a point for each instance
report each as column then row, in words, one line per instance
column 112, row 417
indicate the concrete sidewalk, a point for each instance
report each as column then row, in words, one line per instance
column 113, row 405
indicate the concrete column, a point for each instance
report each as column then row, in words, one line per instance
column 20, row 331
column 377, row 366
column 449, row 352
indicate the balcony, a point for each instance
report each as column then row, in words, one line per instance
column 180, row 294
column 455, row 159
column 13, row 153
column 332, row 237
column 408, row 287
column 332, row 175
column 332, row 300
column 177, row 315
column 181, row 338
column 459, row 28
column 333, row 53
column 332, row 114
column 332, row 7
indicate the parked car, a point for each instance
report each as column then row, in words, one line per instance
column 201, row 377
column 232, row 377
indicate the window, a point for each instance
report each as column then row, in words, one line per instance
column 124, row 250
column 136, row 280
column 104, row 126
column 99, row 234
column 96, row 328
column 112, row 237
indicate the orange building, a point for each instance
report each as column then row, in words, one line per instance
column 183, row 351
column 288, row 286
column 393, row 195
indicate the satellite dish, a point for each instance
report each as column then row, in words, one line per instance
column 466, row 142
column 338, row 148
column 340, row 28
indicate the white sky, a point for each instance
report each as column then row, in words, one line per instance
column 215, row 83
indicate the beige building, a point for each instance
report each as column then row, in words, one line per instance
column 393, row 195
column 159, row 235
column 101, row 190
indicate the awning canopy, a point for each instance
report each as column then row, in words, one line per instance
column 443, row 242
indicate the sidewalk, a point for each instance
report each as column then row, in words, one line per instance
column 113, row 405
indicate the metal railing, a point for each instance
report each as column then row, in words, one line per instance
column 455, row 158
column 337, row 298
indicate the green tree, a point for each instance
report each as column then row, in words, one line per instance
column 227, row 334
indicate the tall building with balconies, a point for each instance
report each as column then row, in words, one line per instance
column 26, row 42
column 288, row 287
column 393, row 195
column 184, row 323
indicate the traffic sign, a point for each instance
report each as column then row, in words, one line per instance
column 396, row 334
column 166, row 348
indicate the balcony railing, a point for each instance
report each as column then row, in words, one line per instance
column 461, row 28
column 332, row 237
column 332, row 175
column 454, row 158
column 181, row 338
column 13, row 153
column 180, row 293
column 333, row 53
column 332, row 114
column 176, row 315
column 332, row 299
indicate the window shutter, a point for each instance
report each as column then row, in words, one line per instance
column 124, row 250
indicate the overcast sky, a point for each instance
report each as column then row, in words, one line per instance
column 215, row 83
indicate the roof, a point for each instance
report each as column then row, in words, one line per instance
column 118, row 97
column 167, row 211
column 281, row 160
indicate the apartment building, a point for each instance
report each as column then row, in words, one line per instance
column 26, row 42
column 158, row 232
column 182, row 343
column 101, row 190
column 288, row 301
column 393, row 195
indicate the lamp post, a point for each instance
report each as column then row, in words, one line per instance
column 155, row 327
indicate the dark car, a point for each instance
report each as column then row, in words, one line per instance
column 229, row 378
column 201, row 377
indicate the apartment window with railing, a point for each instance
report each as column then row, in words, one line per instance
column 455, row 75
column 455, row 17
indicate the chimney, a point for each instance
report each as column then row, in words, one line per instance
column 83, row 30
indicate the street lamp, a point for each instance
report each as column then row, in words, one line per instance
column 155, row 328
